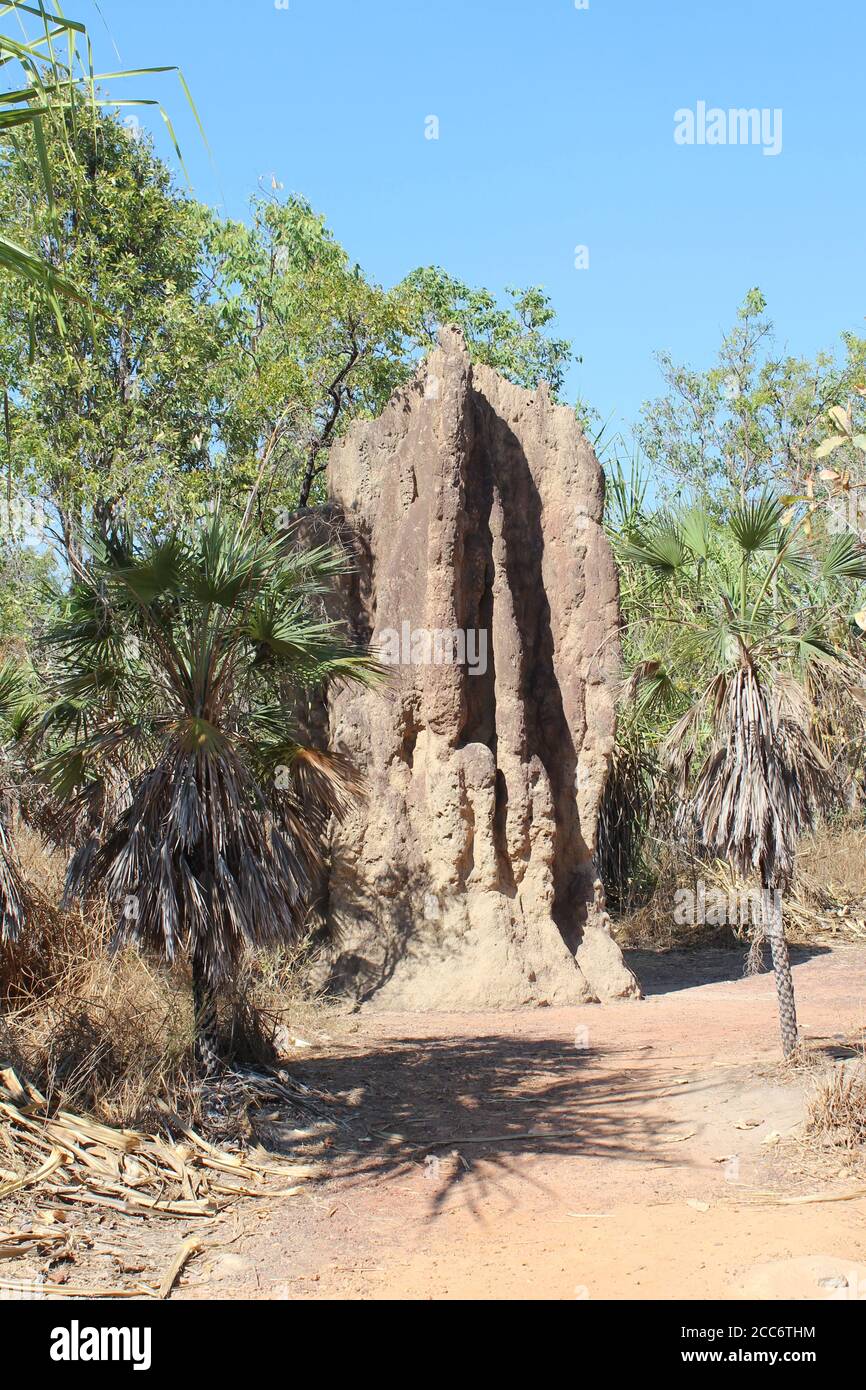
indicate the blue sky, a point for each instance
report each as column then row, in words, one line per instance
column 556, row 130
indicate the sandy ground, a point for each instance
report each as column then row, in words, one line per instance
column 630, row 1151
column 618, row 1152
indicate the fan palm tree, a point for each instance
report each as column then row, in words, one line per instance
column 737, row 623
column 180, row 666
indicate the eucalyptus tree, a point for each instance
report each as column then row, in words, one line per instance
column 312, row 343
column 110, row 410
column 512, row 335
column 753, row 418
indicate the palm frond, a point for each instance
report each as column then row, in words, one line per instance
column 845, row 558
column 660, row 547
column 754, row 522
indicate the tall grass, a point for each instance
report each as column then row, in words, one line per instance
column 112, row 1035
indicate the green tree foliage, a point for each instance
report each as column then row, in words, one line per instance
column 25, row 578
column 308, row 342
column 225, row 358
column 755, row 417
column 50, row 85
column 513, row 339
column 314, row 344
column 116, row 406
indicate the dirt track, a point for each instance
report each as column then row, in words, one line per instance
column 585, row 1153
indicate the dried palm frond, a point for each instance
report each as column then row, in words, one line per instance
column 13, row 889
column 72, row 1160
column 763, row 780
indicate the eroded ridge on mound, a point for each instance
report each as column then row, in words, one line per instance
column 466, row 878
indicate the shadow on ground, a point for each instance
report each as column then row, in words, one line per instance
column 462, row 1112
column 665, row 972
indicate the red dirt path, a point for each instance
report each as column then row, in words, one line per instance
column 584, row 1153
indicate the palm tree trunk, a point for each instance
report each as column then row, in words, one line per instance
column 206, row 1031
column 775, row 930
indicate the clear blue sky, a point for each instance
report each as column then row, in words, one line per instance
column 556, row 129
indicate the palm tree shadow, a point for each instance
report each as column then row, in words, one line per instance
column 464, row 1113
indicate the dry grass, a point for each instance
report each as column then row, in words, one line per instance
column 830, row 886
column 836, row 1110
column 827, row 902
column 108, row 1038
column 653, row 926
column 112, row 1035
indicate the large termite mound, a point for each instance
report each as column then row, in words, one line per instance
column 465, row 878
